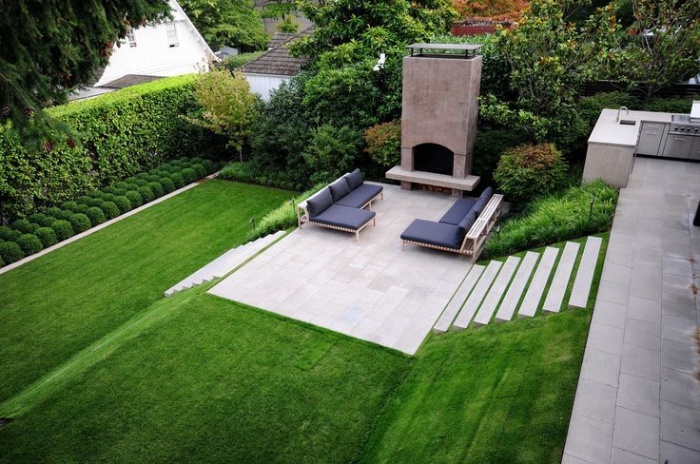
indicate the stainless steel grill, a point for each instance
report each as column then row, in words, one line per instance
column 682, row 124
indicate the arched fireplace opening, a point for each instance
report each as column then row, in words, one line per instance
column 431, row 157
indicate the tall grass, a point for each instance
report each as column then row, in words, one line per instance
column 581, row 210
column 282, row 217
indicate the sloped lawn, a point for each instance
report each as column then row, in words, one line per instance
column 58, row 304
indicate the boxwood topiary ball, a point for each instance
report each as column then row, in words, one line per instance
column 147, row 194
column 10, row 252
column 30, row 244
column 9, row 234
column 47, row 236
column 178, row 180
column 167, row 183
column 96, row 215
column 123, row 204
column 189, row 175
column 110, row 209
column 80, row 222
column 134, row 197
column 24, row 226
column 156, row 188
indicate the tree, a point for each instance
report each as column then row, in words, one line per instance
column 227, row 22
column 49, row 48
column 228, row 106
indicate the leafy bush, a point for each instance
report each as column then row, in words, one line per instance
column 332, row 151
column 123, row 204
column 59, row 213
column 528, row 171
column 121, row 185
column 134, row 198
column 63, row 229
column 30, row 244
column 96, row 215
column 110, row 209
column 199, row 170
column 156, row 188
column 489, row 146
column 209, row 166
column 178, row 180
column 555, row 219
column 81, row 208
column 93, row 202
column 69, row 205
column 9, row 234
column 147, row 194
column 143, row 176
column 384, row 143
column 24, row 226
column 2, row 262
column 669, row 105
column 10, row 252
column 41, row 219
column 107, row 196
column 282, row 217
column 46, row 236
column 84, row 200
column 167, row 184
column 80, row 222
column 189, row 175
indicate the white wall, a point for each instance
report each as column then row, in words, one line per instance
column 264, row 85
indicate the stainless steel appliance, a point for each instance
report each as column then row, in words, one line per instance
column 683, row 139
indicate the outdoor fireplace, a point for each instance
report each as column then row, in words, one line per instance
column 439, row 115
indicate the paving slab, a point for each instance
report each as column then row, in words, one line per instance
column 477, row 296
column 562, row 277
column 584, row 275
column 515, row 291
column 488, row 307
column 457, row 301
column 539, row 281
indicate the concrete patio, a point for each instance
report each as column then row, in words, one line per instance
column 638, row 400
column 368, row 289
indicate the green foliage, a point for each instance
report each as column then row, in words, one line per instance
column 63, row 229
column 10, row 252
column 235, row 62
column 199, row 169
column 156, row 188
column 167, row 185
column 147, row 194
column 209, row 166
column 178, row 180
column 283, row 217
column 110, row 209
column 24, row 226
column 30, row 244
column 555, row 219
column 189, row 175
column 59, row 213
column 69, row 205
column 384, row 143
column 332, row 152
column 9, row 234
column 134, row 198
column 80, row 222
column 96, row 215
column 669, row 105
column 2, row 262
column 529, row 171
column 123, row 204
column 589, row 108
column 288, row 26
column 41, row 219
column 47, row 236
column 490, row 145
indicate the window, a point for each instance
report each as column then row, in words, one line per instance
column 130, row 37
column 172, row 35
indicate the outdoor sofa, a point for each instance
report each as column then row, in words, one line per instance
column 341, row 205
column 462, row 229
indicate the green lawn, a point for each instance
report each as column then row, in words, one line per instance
column 57, row 305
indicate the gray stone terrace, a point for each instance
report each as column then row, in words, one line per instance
column 369, row 289
column 638, row 400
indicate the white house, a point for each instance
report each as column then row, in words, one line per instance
column 169, row 48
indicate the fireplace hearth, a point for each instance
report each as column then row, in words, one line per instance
column 431, row 157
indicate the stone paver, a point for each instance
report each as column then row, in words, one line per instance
column 539, row 281
column 515, row 291
column 477, row 296
column 488, row 307
column 457, row 301
column 584, row 275
column 640, row 348
column 562, row 276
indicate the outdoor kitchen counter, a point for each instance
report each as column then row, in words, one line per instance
column 609, row 131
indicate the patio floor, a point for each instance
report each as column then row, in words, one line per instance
column 369, row 289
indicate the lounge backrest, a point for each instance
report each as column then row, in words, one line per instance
column 339, row 189
column 354, row 179
column 319, row 202
column 467, row 222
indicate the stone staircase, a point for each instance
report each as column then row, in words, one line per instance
column 498, row 291
column 224, row 263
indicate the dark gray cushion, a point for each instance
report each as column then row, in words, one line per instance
column 339, row 189
column 434, row 233
column 467, row 222
column 344, row 216
column 488, row 191
column 354, row 179
column 360, row 196
column 457, row 212
column 320, row 202
column 479, row 206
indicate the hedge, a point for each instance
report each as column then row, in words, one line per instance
column 47, row 236
column 63, row 229
column 110, row 138
column 30, row 244
column 79, row 222
column 10, row 252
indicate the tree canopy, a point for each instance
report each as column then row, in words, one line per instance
column 49, row 48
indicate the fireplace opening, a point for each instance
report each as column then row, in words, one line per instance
column 431, row 157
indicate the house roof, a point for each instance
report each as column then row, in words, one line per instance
column 277, row 61
column 129, row 80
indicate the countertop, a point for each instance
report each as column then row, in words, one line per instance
column 610, row 132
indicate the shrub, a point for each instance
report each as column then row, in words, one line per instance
column 147, row 194
column 9, row 234
column 122, row 185
column 282, row 217
column 384, row 143
column 167, row 184
column 96, row 194
column 46, row 236
column 669, row 105
column 153, row 177
column 93, row 202
column 80, row 222
column 134, row 198
column 199, row 170
column 209, row 166
column 110, row 209
column 156, row 188
column 2, row 262
column 69, row 205
column 24, row 226
column 84, row 200
column 41, row 219
column 332, row 151
column 30, row 244
column 107, row 196
column 123, row 204
column 59, row 213
column 10, row 252
column 82, row 209
column 189, row 175
column 490, row 145
column 555, row 219
column 63, row 229
column 96, row 215
column 528, row 171
column 178, row 180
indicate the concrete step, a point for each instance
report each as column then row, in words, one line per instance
column 515, row 291
column 562, row 276
column 538, row 283
column 584, row 276
column 224, row 263
column 488, row 307
column 460, row 296
column 477, row 295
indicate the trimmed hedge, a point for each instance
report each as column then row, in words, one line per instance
column 147, row 194
column 123, row 204
column 79, row 222
column 63, row 229
column 110, row 209
column 189, row 175
column 156, row 188
column 24, row 226
column 10, row 252
column 96, row 215
column 178, row 180
column 8, row 234
column 134, row 198
column 41, row 219
column 167, row 184
column 30, row 244
column 47, row 236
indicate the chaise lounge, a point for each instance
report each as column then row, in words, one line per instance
column 341, row 204
column 462, row 229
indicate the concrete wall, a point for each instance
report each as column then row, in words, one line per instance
column 440, row 106
column 612, row 163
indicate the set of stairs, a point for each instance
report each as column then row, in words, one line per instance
column 224, row 263
column 499, row 290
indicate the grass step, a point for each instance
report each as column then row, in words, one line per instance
column 457, row 301
column 515, row 291
column 539, row 281
column 584, row 276
column 494, row 296
column 562, row 276
column 474, row 301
